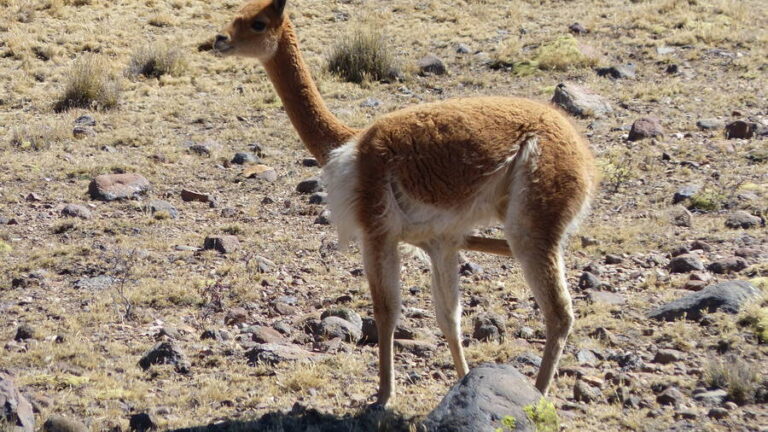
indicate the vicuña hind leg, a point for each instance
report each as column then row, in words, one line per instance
column 446, row 297
column 542, row 264
column 382, row 267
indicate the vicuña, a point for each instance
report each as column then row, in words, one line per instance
column 427, row 175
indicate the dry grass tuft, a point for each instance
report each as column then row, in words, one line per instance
column 737, row 377
column 156, row 60
column 90, row 84
column 37, row 137
column 361, row 56
column 564, row 53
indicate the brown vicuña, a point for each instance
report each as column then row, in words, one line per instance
column 427, row 175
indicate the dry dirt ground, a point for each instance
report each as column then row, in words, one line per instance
column 82, row 361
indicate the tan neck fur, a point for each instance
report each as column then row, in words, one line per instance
column 318, row 128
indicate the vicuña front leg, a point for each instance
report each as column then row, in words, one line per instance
column 446, row 297
column 382, row 267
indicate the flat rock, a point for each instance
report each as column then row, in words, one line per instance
column 156, row 206
column 670, row 396
column 709, row 124
column 224, row 244
column 431, row 64
column 190, row 195
column 272, row 354
column 333, row 327
column 646, row 127
column 622, row 71
column 261, row 172
column 76, row 210
column 418, row 348
column 165, row 353
column 727, row 265
column 742, row 219
column 241, row 158
column 685, row 263
column 480, row 400
column 264, row 335
column 96, row 283
column 344, row 313
column 605, row 297
column 111, row 187
column 726, row 296
column 63, row 424
column 309, row 186
column 15, row 409
column 580, row 101
column 712, row 397
column 666, row 356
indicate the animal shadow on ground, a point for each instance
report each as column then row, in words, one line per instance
column 303, row 419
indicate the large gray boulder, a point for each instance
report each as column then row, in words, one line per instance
column 482, row 399
column 726, row 296
column 580, row 101
column 15, row 409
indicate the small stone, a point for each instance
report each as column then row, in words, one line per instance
column 345, row 314
column 76, row 210
column 588, row 241
column 586, row 393
column 489, row 327
column 324, row 218
column 309, row 186
column 225, row 244
column 235, row 316
column 624, row 71
column 63, row 424
column 418, row 348
column 709, row 124
column 142, row 422
column 685, row 263
column 24, row 332
column 262, row 334
column 319, row 198
column 718, row 413
column 727, row 265
column 310, row 162
column 687, row 413
column 333, row 327
column 580, row 101
column 432, row 65
column 670, row 396
column 701, row 245
column 681, row 216
column 588, row 280
column 742, row 219
column 529, row 358
column 96, row 283
column 273, row 354
column 463, row 48
column 740, row 129
column 713, row 397
column 80, row 132
column 370, row 103
column 613, row 259
column 202, row 149
column 746, row 252
column 164, row 207
column 261, row 172
column 190, row 195
column 241, row 158
column 606, row 298
column 577, row 28
column 111, row 187
column 586, row 357
column 685, row 193
column 647, row 127
column 469, row 268
column 85, row 120
column 667, row 356
column 165, row 353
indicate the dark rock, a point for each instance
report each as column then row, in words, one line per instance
column 156, row 206
column 670, row 396
column 212, row 334
column 309, row 186
column 685, row 193
column 666, row 356
column 165, row 353
column 111, row 187
column 24, row 332
column 647, row 127
column 687, row 413
column 726, row 296
column 80, row 132
column 624, row 71
column 528, row 358
column 324, row 218
column 418, row 348
column 489, row 327
column 469, row 268
column 718, row 413
column 15, row 409
column 742, row 219
column 431, row 64
column 586, row 393
column 577, row 28
column 588, row 241
column 580, row 101
column 746, row 252
column 241, row 158
column 463, row 49
column 685, row 263
column 76, row 210
column 318, row 198
column 479, row 401
column 727, row 265
column 63, row 424
column 370, row 333
column 141, row 423
column 709, row 124
column 202, row 149
column 588, row 281
column 190, row 195
column 333, row 327
column 701, row 245
column 224, row 244
column 310, row 162
column 85, row 120
column 613, row 259
column 740, row 129
column 272, row 354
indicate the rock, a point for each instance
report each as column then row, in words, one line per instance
column 742, row 219
column 309, row 186
column 63, row 424
column 463, row 49
column 202, row 149
column 165, row 353
column 726, row 296
column 24, row 332
column 681, row 216
column 235, row 316
column 96, row 283
column 142, row 422
column 727, row 265
column 577, row 28
column 85, row 120
column 241, row 158
column 588, row 241
column 701, row 245
column 264, row 335
column 272, row 354
column 76, row 210
column 190, row 195
column 320, row 198
column 370, row 333
column 324, row 218
column 709, row 124
column 624, row 71
column 586, row 393
column 111, row 187
column 580, row 101
column 80, row 132
column 646, row 127
column 15, row 409
column 344, row 313
column 261, row 172
column 162, row 207
column 489, row 327
column 310, row 162
column 613, row 259
column 687, row 413
column 607, row 298
column 333, row 327
column 431, row 64
column 418, row 348
column 685, row 263
column 586, row 357
column 740, row 129
column 713, row 397
column 670, row 396
column 718, row 413
column 480, row 400
column 370, row 103
column 224, row 244
column 667, row 356
column 528, row 358
column 588, row 280
column 469, row 268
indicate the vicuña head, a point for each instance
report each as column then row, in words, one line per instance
column 428, row 175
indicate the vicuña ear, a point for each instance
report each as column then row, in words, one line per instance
column 279, row 6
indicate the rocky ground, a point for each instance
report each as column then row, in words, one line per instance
column 216, row 292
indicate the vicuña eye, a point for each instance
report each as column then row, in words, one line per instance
column 258, row 26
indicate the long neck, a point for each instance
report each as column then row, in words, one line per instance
column 318, row 128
